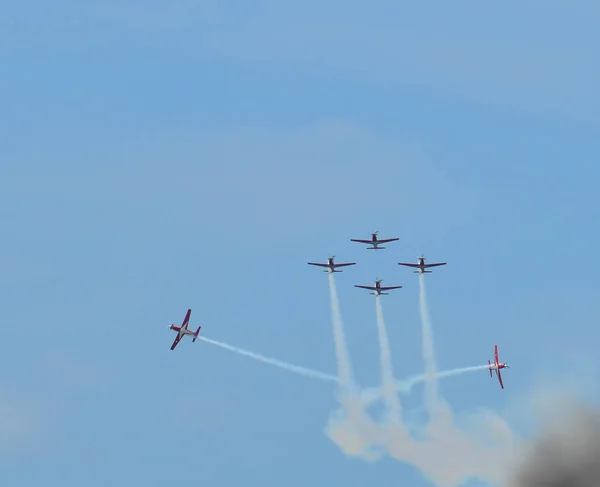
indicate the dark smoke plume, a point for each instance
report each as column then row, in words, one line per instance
column 566, row 454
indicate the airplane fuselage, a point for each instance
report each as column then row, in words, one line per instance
column 184, row 331
column 374, row 242
column 331, row 266
column 421, row 267
column 377, row 290
column 496, row 367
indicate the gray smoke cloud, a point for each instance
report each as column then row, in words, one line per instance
column 565, row 454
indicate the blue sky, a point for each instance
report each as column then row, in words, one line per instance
column 161, row 155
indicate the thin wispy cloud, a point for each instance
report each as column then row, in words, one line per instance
column 479, row 51
column 202, row 412
column 24, row 423
column 475, row 50
column 254, row 177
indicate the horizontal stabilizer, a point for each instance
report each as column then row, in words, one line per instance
column 196, row 334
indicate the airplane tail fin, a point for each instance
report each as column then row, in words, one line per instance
column 197, row 333
column 490, row 363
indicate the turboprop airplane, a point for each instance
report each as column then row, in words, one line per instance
column 497, row 366
column 375, row 242
column 331, row 265
column 421, row 265
column 378, row 288
column 183, row 330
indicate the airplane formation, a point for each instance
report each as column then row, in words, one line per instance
column 330, row 267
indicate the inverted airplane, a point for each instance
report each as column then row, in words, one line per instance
column 331, row 265
column 375, row 242
column 421, row 265
column 378, row 288
column 497, row 366
column 183, row 330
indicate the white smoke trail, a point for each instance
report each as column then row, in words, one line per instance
column 449, row 455
column 431, row 386
column 278, row 363
column 394, row 409
column 405, row 386
column 350, row 427
column 446, row 453
column 341, row 349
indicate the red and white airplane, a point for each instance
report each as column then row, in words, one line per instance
column 421, row 265
column 497, row 366
column 375, row 242
column 331, row 265
column 378, row 288
column 183, row 330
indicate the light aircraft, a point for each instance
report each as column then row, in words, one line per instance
column 421, row 265
column 378, row 288
column 331, row 265
column 375, row 242
column 183, row 330
column 497, row 366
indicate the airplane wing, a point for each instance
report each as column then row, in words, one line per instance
column 363, row 241
column 317, row 263
column 386, row 240
column 372, row 288
column 387, row 288
column 434, row 265
column 408, row 265
column 186, row 320
column 499, row 378
column 496, row 354
column 344, row 265
column 176, row 341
